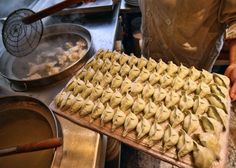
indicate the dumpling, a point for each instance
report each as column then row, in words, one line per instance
column 87, row 107
column 115, row 56
column 151, row 64
column 126, row 102
column 148, row 91
column 115, row 68
column 98, row 77
column 159, row 94
column 106, row 79
column 138, row 106
column 116, row 82
column 133, row 73
column 90, row 63
column 202, row 156
column 185, row 144
column 79, row 87
column 190, row 86
column 176, row 117
column 96, row 92
column 218, row 114
column 98, row 65
column 219, row 90
column 123, row 59
column 59, row 98
column 183, row 71
column 211, row 125
column 155, row 134
column 172, row 69
column 142, row 62
column 154, row 78
column 126, row 85
column 71, row 85
column 186, row 102
column 194, row 74
column 203, row 89
column 106, row 95
column 144, row 75
column 136, row 88
column 132, row 60
column 206, row 76
column 131, row 122
column 221, row 80
column 177, row 83
column 115, row 99
column 118, row 119
column 81, row 74
column 161, row 66
column 107, row 115
column 88, row 90
column 191, row 123
column 172, row 99
column 79, row 102
column 124, row 70
column 200, row 105
column 162, row 113
column 106, row 66
column 97, row 111
column 165, row 80
column 150, row 109
column 89, row 75
column 143, row 128
column 217, row 101
column 70, row 101
column 170, row 138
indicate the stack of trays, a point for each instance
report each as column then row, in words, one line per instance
column 132, row 2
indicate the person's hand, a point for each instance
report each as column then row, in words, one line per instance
column 231, row 73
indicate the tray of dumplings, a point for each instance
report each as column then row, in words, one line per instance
column 177, row 114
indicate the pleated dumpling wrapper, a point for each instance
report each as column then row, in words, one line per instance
column 194, row 74
column 81, row 74
column 134, row 73
column 115, row 68
column 96, row 92
column 142, row 62
column 206, row 77
column 185, row 144
column 123, row 59
column 78, row 104
column 151, row 64
column 166, row 80
column 71, row 85
column 116, row 99
column 211, row 125
column 90, row 63
column 172, row 69
column 200, row 105
column 80, row 86
column 136, row 88
column 203, row 157
column 150, row 109
column 59, row 98
column 191, row 123
column 210, row 141
column 183, row 71
column 161, row 66
column 98, row 65
column 217, row 101
column 186, row 102
column 139, row 105
column 170, row 138
column 203, row 89
column 177, row 83
column 69, row 101
column 143, row 128
column 107, row 78
column 133, row 60
column 154, row 78
column 144, row 75
column 221, row 80
column 218, row 114
column 148, row 91
column 106, row 95
column 176, row 117
column 155, row 134
column 87, row 107
column 106, row 65
column 130, row 124
column 190, row 86
column 89, row 75
column 124, row 70
column 98, row 77
column 159, row 94
column 88, row 90
column 114, row 56
column 116, row 82
column 126, row 102
column 107, row 115
column 172, row 99
column 118, row 119
column 97, row 110
column 162, row 113
column 219, row 90
column 126, row 85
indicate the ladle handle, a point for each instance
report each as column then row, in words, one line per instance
column 51, row 10
column 30, row 147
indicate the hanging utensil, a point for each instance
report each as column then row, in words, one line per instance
column 23, row 29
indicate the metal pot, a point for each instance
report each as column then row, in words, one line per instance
column 23, row 120
column 13, row 68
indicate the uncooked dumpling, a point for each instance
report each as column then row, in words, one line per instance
column 107, row 115
column 206, row 76
column 96, row 92
column 115, row 56
column 221, row 80
column 90, row 63
column 118, row 119
column 124, row 70
column 98, row 65
column 183, row 71
column 148, row 91
column 200, row 105
column 88, row 90
column 172, row 99
column 172, row 69
column 106, row 95
column 115, row 68
column 71, row 85
column 126, row 102
column 144, row 75
column 161, row 66
column 136, row 88
column 123, row 59
column 115, row 99
column 151, row 64
column 211, row 125
column 131, row 122
column 191, row 123
column 159, row 94
column 81, row 74
column 107, row 78
column 150, row 109
column 217, row 101
column 190, row 86
column 142, row 62
column 165, row 80
column 177, row 83
column 203, row 89
column 132, row 60
column 106, row 66
column 155, row 134
column 194, row 74
column 70, row 101
column 154, row 78
column 143, row 128
column 170, row 138
column 176, row 117
column 78, row 104
column 98, row 77
column 162, row 113
column 138, row 106
column 116, row 82
column 185, row 144
column 133, row 73
column 218, row 114
column 89, row 75
column 97, row 111
column 126, row 85
column 186, row 102
column 87, row 107
column 219, row 90
column 59, row 98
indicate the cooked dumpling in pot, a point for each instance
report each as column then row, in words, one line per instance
column 159, row 94
column 200, row 105
column 154, row 78
column 126, row 102
column 107, row 78
column 218, row 114
column 115, row 68
column 191, row 123
column 106, row 65
column 170, row 138
column 79, row 102
column 131, row 122
column 185, row 144
column 190, row 86
column 162, row 113
column 87, row 107
column 206, row 76
column 142, row 62
column 88, row 90
column 144, row 75
column 143, row 128
column 172, row 99
column 116, row 82
column 126, row 85
column 98, row 77
column 124, row 70
column 107, row 115
column 155, row 134
column 89, row 75
column 221, row 80
column 177, row 83
column 151, row 64
column 185, row 102
column 161, row 66
column 136, row 88
column 148, row 91
column 194, row 74
column 132, row 60
column 138, row 106
column 203, row 89
column 118, row 119
column 97, row 111
column 96, row 92
column 172, row 69
column 150, row 109
column 176, row 117
column 115, row 99
column 133, row 73
column 183, row 71
column 165, row 80
column 106, row 95
column 123, row 59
